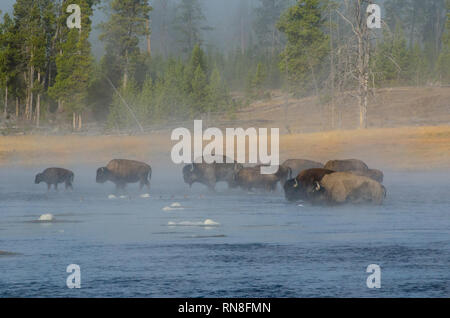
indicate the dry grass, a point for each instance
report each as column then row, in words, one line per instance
column 405, row 148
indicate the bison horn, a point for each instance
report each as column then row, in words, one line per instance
column 296, row 183
column 317, row 186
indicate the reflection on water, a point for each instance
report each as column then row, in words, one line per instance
column 220, row 245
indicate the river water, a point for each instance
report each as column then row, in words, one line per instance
column 181, row 242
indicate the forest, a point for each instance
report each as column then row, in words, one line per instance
column 168, row 60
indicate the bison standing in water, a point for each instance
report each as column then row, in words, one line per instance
column 251, row 177
column 122, row 171
column 346, row 187
column 298, row 165
column 301, row 187
column 346, row 165
column 54, row 176
column 210, row 173
column 355, row 166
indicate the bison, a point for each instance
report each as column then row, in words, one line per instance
column 355, row 166
column 251, row 177
column 122, row 171
column 301, row 187
column 211, row 173
column 374, row 174
column 346, row 165
column 55, row 176
column 345, row 187
column 298, row 165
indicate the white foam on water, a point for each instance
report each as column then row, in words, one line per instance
column 173, row 207
column 145, row 196
column 207, row 222
column 123, row 197
column 112, row 197
column 46, row 217
column 169, row 208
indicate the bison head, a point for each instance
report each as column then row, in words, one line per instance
column 39, row 178
column 102, row 175
column 189, row 174
column 293, row 190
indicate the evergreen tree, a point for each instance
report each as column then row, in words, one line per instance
column 218, row 93
column 443, row 65
column 74, row 65
column 121, row 34
column 189, row 23
column 307, row 44
column 8, row 57
column 268, row 13
column 393, row 58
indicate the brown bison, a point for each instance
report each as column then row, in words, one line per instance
column 374, row 174
column 122, row 171
column 346, row 165
column 355, row 166
column 251, row 177
column 55, row 176
column 298, row 165
column 211, row 173
column 345, row 187
column 301, row 187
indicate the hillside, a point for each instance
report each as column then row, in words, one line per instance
column 388, row 108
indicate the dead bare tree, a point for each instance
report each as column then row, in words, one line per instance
column 357, row 20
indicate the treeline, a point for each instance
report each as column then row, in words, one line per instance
column 162, row 61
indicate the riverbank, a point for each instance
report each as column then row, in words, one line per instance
column 404, row 148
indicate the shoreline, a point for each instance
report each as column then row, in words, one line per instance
column 404, row 148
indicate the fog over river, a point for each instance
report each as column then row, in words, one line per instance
column 181, row 242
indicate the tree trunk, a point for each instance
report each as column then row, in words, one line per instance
column 30, row 114
column 38, row 103
column 147, row 28
column 125, row 72
column 27, row 98
column 5, row 112
column 17, row 107
column 74, row 121
column 332, row 74
column 80, row 124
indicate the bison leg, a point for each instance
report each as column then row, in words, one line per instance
column 49, row 185
column 56, row 186
column 120, row 187
column 69, row 185
column 144, row 182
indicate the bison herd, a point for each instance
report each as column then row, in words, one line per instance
column 336, row 182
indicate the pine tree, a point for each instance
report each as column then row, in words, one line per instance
column 74, row 65
column 393, row 59
column 8, row 58
column 443, row 65
column 189, row 23
column 121, row 33
column 307, row 44
column 218, row 92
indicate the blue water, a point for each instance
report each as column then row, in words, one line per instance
column 262, row 246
